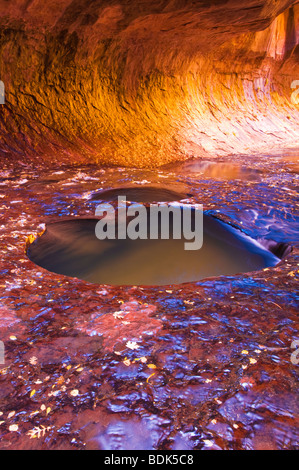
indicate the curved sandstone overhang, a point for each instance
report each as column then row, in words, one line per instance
column 143, row 83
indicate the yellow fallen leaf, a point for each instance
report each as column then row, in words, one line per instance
column 38, row 432
column 29, row 240
column 152, row 366
column 32, row 393
column 60, row 380
column 150, row 376
column 244, row 351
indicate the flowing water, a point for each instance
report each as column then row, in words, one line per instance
column 207, row 364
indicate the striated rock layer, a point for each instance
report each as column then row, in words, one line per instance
column 146, row 82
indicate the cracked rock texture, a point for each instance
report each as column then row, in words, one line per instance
column 146, row 82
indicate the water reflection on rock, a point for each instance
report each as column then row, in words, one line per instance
column 216, row 170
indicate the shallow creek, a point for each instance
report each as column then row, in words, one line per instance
column 207, row 364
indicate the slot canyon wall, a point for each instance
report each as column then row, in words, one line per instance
column 146, row 82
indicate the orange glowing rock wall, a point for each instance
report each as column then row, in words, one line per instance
column 145, row 82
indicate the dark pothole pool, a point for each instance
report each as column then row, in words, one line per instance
column 71, row 248
column 145, row 194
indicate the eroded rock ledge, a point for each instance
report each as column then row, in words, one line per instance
column 144, row 83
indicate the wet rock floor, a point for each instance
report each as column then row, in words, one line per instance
column 203, row 365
